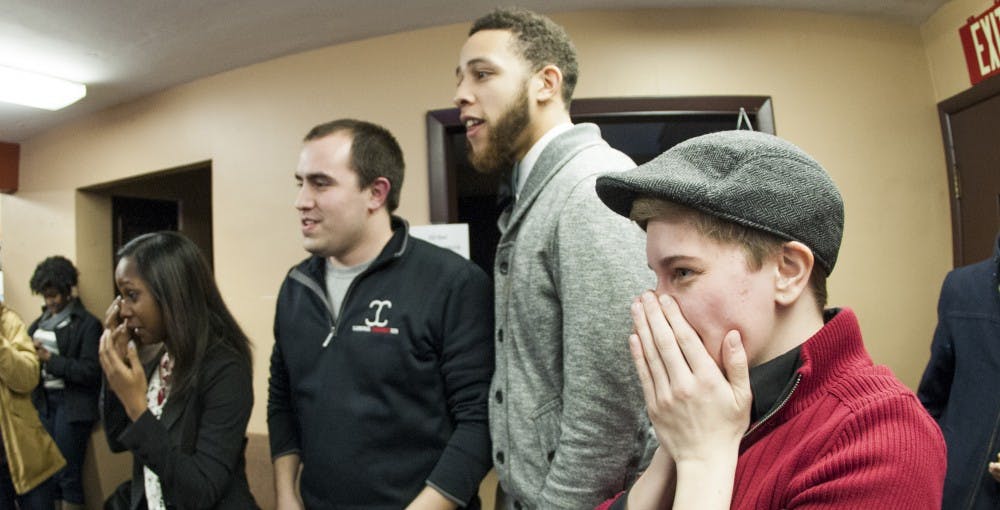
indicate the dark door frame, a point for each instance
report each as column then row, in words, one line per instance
column 982, row 91
column 443, row 196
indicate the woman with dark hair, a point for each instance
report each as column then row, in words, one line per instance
column 184, row 412
column 66, row 336
column 28, row 456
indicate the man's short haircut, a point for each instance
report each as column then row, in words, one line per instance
column 374, row 153
column 758, row 245
column 538, row 39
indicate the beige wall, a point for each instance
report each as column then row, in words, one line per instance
column 944, row 48
column 855, row 93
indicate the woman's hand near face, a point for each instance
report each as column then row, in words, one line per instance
column 698, row 409
column 112, row 317
column 123, row 370
column 112, row 321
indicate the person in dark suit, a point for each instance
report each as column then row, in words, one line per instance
column 66, row 337
column 960, row 382
column 184, row 412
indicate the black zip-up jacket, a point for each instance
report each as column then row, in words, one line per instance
column 76, row 364
column 391, row 397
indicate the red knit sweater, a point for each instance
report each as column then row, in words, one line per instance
column 850, row 436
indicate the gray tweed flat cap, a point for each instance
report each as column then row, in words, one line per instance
column 753, row 179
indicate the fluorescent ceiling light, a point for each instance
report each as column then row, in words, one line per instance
column 38, row 91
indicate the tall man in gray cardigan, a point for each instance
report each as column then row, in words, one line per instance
column 564, row 412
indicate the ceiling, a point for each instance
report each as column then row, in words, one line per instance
column 126, row 49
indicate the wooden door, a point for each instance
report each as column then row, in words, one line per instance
column 971, row 127
column 642, row 128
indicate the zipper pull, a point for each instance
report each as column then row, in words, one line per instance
column 333, row 332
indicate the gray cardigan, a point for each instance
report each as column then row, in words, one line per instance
column 567, row 418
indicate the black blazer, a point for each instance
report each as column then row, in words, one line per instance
column 959, row 385
column 76, row 364
column 197, row 447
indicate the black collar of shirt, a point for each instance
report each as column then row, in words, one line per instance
column 772, row 380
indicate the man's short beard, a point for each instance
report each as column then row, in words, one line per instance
column 498, row 155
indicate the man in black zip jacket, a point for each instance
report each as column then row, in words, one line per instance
column 383, row 347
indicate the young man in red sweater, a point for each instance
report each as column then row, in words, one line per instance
column 760, row 398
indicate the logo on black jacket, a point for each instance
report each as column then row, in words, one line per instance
column 380, row 323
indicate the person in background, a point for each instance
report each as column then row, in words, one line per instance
column 29, row 458
column 382, row 354
column 66, row 337
column 961, row 384
column 761, row 398
column 183, row 415
column 568, row 430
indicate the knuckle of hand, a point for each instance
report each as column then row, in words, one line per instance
column 685, row 392
column 664, row 401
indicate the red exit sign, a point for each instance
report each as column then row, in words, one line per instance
column 981, row 42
